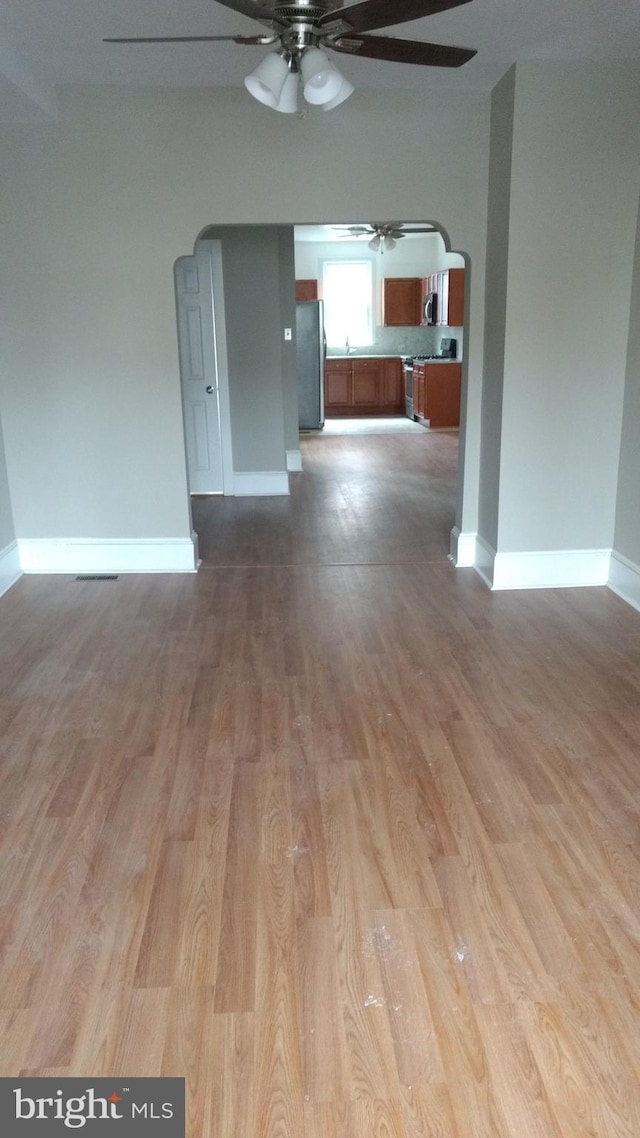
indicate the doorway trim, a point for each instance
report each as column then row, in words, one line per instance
column 221, row 359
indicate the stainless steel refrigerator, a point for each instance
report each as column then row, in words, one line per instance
column 311, row 349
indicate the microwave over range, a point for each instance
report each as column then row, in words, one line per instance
column 430, row 308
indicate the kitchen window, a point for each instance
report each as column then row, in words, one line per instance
column 347, row 291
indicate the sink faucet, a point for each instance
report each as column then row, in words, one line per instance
column 350, row 351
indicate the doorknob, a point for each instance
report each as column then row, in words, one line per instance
column 209, row 389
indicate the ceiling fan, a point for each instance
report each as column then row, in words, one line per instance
column 383, row 234
column 301, row 29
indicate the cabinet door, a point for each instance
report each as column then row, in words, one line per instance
column 306, row 290
column 337, row 387
column 366, row 383
column 401, row 301
column 455, row 310
column 392, row 391
column 442, row 394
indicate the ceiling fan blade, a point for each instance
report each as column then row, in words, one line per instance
column 352, row 230
column 196, row 39
column 372, row 14
column 403, row 51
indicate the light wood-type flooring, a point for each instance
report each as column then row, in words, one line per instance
column 329, row 829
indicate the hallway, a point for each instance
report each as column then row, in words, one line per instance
column 361, row 499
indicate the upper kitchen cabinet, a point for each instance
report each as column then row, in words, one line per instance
column 451, row 298
column 401, row 301
column 306, row 289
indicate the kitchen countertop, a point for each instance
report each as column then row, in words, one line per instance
column 393, row 356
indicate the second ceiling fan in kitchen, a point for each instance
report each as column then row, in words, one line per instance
column 382, row 235
column 304, row 28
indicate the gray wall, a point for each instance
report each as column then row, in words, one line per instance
column 574, row 203
column 7, row 529
column 502, row 102
column 258, row 279
column 95, row 210
column 627, row 532
column 286, row 249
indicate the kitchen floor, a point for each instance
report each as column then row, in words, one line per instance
column 370, row 426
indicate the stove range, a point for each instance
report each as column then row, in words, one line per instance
column 408, row 361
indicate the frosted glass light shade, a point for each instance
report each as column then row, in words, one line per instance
column 268, row 79
column 346, row 89
column 322, row 81
column 288, row 102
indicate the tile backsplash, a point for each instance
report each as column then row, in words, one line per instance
column 405, row 342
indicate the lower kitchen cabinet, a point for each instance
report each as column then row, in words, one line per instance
column 366, row 378
column 337, row 387
column 363, row 386
column 436, row 393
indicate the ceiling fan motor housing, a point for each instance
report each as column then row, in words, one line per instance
column 305, row 13
column 301, row 19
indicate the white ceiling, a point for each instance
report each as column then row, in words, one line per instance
column 47, row 43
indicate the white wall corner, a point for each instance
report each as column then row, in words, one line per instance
column 197, row 560
column 484, row 559
column 551, row 569
column 294, row 460
column 10, row 568
column 260, row 483
column 624, row 579
column 462, row 548
column 87, row 555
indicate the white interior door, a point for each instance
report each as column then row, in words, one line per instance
column 199, row 372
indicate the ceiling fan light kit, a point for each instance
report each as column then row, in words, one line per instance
column 306, row 26
column 288, row 103
column 345, row 91
column 266, row 83
column 322, row 81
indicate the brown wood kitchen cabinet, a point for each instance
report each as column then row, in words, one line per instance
column 337, row 387
column 436, row 393
column 306, row 289
column 363, row 386
column 401, row 301
column 366, row 383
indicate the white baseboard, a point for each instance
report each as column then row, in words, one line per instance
column 462, row 548
column 260, row 483
column 10, row 568
column 88, row 555
column 485, row 556
column 294, row 460
column 548, row 569
column 624, row 579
